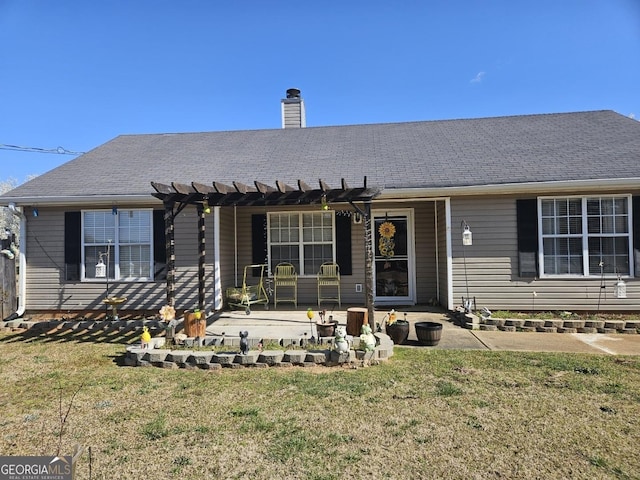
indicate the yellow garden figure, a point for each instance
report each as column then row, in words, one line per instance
column 145, row 338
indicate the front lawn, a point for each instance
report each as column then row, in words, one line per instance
column 423, row 414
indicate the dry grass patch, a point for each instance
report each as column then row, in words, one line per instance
column 423, row 414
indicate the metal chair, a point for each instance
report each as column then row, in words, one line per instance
column 329, row 276
column 285, row 276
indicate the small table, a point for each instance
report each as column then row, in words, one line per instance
column 114, row 301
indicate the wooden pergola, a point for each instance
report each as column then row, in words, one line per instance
column 177, row 196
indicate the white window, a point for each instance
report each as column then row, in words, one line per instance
column 305, row 240
column 585, row 236
column 127, row 236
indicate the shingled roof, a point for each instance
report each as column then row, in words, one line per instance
column 431, row 154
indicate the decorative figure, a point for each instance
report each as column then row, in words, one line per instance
column 244, row 342
column 145, row 338
column 367, row 338
column 386, row 245
column 341, row 344
column 167, row 313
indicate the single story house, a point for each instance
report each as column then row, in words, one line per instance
column 549, row 206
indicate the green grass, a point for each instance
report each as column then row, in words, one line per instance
column 423, row 414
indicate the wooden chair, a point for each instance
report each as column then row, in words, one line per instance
column 329, row 276
column 285, row 276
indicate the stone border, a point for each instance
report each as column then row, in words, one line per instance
column 320, row 353
column 473, row 322
column 136, row 356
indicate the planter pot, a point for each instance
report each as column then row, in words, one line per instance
column 326, row 329
column 428, row 333
column 398, row 331
column 194, row 327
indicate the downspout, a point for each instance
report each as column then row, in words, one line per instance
column 22, row 264
column 218, row 301
column 437, row 252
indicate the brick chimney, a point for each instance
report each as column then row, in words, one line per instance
column 293, row 110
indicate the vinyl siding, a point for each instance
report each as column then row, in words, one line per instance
column 47, row 290
column 492, row 266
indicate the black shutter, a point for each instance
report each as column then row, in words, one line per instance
column 72, row 246
column 159, row 246
column 636, row 232
column 343, row 244
column 258, row 241
column 527, row 218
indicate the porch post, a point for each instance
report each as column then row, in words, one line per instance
column 201, row 256
column 368, row 265
column 171, row 253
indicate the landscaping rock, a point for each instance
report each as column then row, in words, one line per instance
column 317, row 357
column 223, row 358
column 271, row 357
column 575, row 324
column 554, row 323
column 588, row 330
column 534, row 323
column 179, row 356
column 489, row 328
column 547, row 329
column 200, row 358
column 514, row 322
column 247, row 359
column 295, row 356
column 155, row 356
column 594, row 323
column 567, row 330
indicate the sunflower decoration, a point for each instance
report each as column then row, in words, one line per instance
column 386, row 244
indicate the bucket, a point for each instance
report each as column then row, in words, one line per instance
column 428, row 333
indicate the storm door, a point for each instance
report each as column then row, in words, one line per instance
column 394, row 268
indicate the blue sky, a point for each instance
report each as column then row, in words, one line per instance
column 76, row 74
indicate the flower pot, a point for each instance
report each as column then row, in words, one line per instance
column 193, row 326
column 428, row 333
column 398, row 331
column 326, row 329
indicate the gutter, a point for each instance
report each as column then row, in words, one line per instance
column 84, row 200
column 577, row 186
column 387, row 192
column 22, row 263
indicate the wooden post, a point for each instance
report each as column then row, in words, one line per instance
column 368, row 265
column 201, row 256
column 171, row 253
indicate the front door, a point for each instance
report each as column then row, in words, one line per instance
column 394, row 262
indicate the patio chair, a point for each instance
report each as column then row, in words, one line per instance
column 287, row 277
column 329, row 277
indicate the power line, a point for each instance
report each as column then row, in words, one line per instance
column 58, row 150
